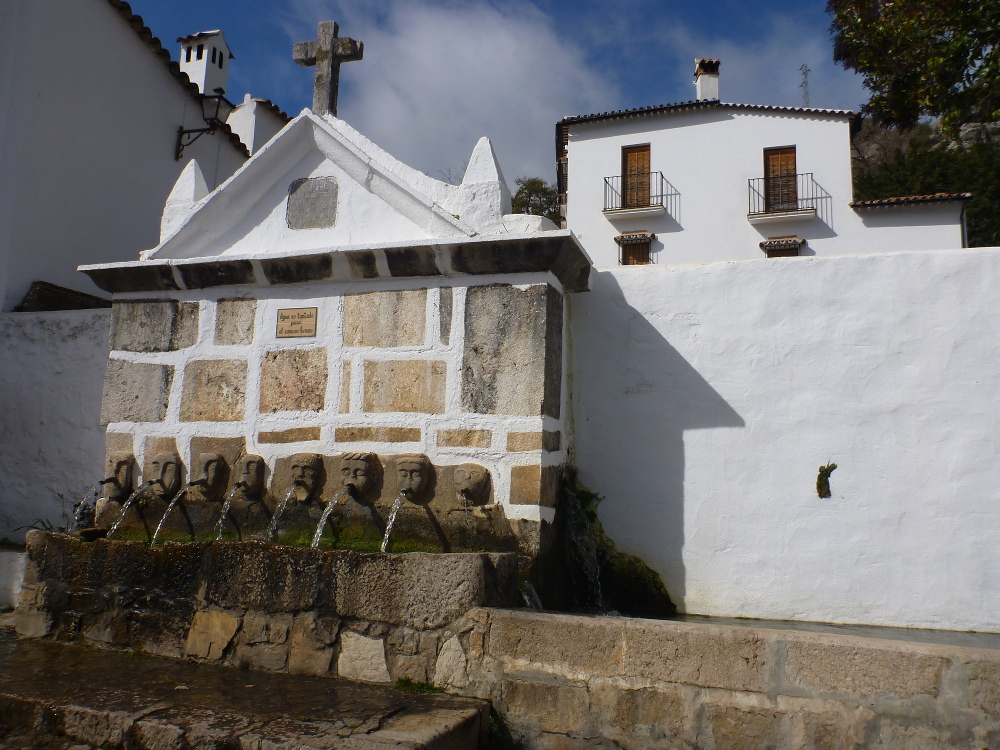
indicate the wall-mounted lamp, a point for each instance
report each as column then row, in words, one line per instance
column 215, row 110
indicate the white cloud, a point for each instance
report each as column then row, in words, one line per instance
column 437, row 76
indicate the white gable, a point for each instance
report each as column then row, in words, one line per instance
column 354, row 194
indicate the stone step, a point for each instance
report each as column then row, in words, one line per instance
column 59, row 697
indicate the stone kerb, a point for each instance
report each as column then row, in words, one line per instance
column 462, row 374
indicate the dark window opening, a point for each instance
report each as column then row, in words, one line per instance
column 201, row 51
column 187, row 53
column 213, row 55
column 221, row 56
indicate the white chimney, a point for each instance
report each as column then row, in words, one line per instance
column 205, row 58
column 706, row 78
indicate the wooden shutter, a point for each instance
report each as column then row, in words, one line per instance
column 635, row 176
column 780, row 193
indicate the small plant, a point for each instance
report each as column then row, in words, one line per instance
column 823, row 480
column 416, row 687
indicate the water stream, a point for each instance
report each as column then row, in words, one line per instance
column 128, row 504
column 392, row 519
column 166, row 514
column 343, row 492
column 272, row 528
column 220, row 525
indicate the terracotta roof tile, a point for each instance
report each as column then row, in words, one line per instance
column 905, row 200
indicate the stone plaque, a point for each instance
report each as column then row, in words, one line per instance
column 312, row 203
column 296, row 322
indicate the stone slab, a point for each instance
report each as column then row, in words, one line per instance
column 377, row 434
column 234, row 321
column 218, row 273
column 153, row 325
column 512, row 361
column 464, row 438
column 214, row 390
column 534, row 485
column 385, row 319
column 362, row 658
column 291, row 435
column 404, row 386
column 293, row 380
column 312, row 203
column 56, row 693
column 135, row 392
column 345, row 387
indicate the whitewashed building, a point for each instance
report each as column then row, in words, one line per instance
column 706, row 180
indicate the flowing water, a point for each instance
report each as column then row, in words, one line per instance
column 128, row 504
column 84, row 511
column 272, row 528
column 166, row 514
column 220, row 525
column 326, row 514
column 531, row 598
column 392, row 519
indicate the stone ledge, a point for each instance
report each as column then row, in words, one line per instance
column 557, row 252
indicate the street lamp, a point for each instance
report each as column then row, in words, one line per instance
column 215, row 110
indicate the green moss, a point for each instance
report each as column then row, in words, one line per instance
column 416, row 687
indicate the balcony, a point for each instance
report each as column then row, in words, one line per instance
column 787, row 197
column 639, row 194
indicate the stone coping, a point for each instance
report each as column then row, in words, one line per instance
column 557, row 252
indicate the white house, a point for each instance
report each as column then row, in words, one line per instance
column 92, row 103
column 706, row 180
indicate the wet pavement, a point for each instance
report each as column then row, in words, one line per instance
column 58, row 696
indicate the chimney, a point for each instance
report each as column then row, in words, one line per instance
column 706, row 78
column 205, row 58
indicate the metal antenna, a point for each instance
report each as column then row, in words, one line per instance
column 805, row 84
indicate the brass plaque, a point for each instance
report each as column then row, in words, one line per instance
column 297, row 322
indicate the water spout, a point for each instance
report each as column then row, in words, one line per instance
column 392, row 518
column 144, row 489
column 343, row 492
column 272, row 528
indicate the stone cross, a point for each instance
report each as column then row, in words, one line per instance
column 327, row 52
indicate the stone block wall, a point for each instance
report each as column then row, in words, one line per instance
column 462, row 374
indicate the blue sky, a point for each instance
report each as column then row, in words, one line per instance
column 438, row 74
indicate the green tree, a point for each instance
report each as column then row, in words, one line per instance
column 928, row 164
column 535, row 196
column 922, row 57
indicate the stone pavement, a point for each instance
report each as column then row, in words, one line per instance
column 62, row 697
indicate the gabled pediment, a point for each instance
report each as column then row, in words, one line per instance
column 317, row 185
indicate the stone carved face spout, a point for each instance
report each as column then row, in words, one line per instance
column 472, row 482
column 212, row 475
column 118, row 484
column 414, row 475
column 307, row 476
column 164, row 475
column 251, row 481
column 357, row 471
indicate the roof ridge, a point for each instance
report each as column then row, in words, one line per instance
column 700, row 103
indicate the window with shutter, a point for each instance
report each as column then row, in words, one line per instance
column 635, row 176
column 780, row 193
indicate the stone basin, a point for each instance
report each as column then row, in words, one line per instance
column 365, row 616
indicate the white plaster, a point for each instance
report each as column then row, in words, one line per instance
column 12, row 565
column 205, row 74
column 254, row 123
column 708, row 155
column 189, row 189
column 88, row 125
column 707, row 396
column 51, row 374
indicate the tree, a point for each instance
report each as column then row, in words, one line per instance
column 535, row 196
column 922, row 57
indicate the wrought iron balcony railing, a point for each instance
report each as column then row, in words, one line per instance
column 793, row 192
column 639, row 190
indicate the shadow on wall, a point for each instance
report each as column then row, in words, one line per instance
column 633, row 396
